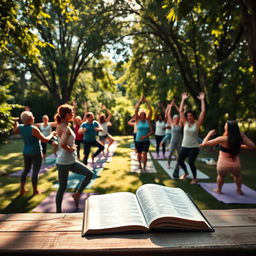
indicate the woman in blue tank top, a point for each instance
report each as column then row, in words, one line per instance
column 32, row 150
column 144, row 130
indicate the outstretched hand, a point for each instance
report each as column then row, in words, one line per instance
column 201, row 96
column 184, row 95
column 211, row 133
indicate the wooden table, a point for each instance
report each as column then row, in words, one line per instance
column 60, row 234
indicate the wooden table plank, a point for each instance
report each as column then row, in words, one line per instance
column 48, row 234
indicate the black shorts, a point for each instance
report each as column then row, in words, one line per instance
column 142, row 146
column 103, row 138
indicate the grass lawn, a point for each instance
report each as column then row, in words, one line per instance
column 116, row 176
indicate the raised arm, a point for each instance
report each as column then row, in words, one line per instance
column 201, row 117
column 16, row 129
column 184, row 96
column 209, row 143
column 149, row 108
column 136, row 116
column 37, row 133
column 248, row 142
column 109, row 114
column 86, row 108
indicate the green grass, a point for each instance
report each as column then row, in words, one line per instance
column 115, row 177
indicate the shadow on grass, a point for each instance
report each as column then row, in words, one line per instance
column 20, row 204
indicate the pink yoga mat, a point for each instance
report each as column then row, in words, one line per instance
column 229, row 195
column 48, row 205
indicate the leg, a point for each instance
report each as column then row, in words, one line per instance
column 37, row 162
column 238, row 181
column 110, row 141
column 27, row 166
column 158, row 141
column 220, row 182
column 193, row 153
column 182, row 156
column 144, row 160
column 172, row 148
column 44, row 148
column 163, row 146
column 87, row 148
column 139, row 157
column 100, row 147
column 82, row 169
column 63, row 178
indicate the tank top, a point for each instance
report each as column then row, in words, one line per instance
column 190, row 136
column 176, row 133
column 64, row 157
column 105, row 129
column 46, row 130
column 32, row 145
column 143, row 128
column 160, row 131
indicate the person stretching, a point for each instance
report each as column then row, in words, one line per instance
column 144, row 130
column 230, row 144
column 176, row 138
column 32, row 150
column 190, row 145
column 90, row 128
column 67, row 156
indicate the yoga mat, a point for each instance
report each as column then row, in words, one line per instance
column 74, row 179
column 163, row 163
column 229, row 195
column 68, row 205
column 49, row 163
column 154, row 155
column 150, row 168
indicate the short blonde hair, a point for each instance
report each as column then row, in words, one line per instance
column 26, row 116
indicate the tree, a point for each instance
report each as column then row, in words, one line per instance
column 200, row 46
column 76, row 45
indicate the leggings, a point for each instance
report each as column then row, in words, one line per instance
column 191, row 153
column 158, row 141
column 63, row 171
column 29, row 160
column 78, row 143
column 87, row 149
column 174, row 145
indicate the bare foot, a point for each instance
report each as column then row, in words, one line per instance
column 23, row 191
column 184, row 176
column 76, row 198
column 193, row 181
column 239, row 192
column 36, row 192
column 217, row 191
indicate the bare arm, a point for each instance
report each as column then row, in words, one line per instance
column 136, row 116
column 209, row 143
column 184, row 96
column 16, row 129
column 109, row 115
column 65, row 133
column 201, row 117
column 37, row 133
column 248, row 142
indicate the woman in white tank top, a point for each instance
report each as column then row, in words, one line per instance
column 190, row 145
column 104, row 121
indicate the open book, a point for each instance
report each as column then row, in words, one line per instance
column 152, row 207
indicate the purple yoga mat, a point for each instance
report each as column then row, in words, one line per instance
column 229, row 195
column 48, row 205
column 44, row 168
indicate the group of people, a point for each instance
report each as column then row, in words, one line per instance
column 67, row 140
column 182, row 130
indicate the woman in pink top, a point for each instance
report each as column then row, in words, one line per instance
column 228, row 161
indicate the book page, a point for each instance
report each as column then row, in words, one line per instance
column 158, row 201
column 113, row 210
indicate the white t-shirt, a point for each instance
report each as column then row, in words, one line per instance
column 160, row 131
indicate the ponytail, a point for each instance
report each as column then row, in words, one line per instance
column 62, row 111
